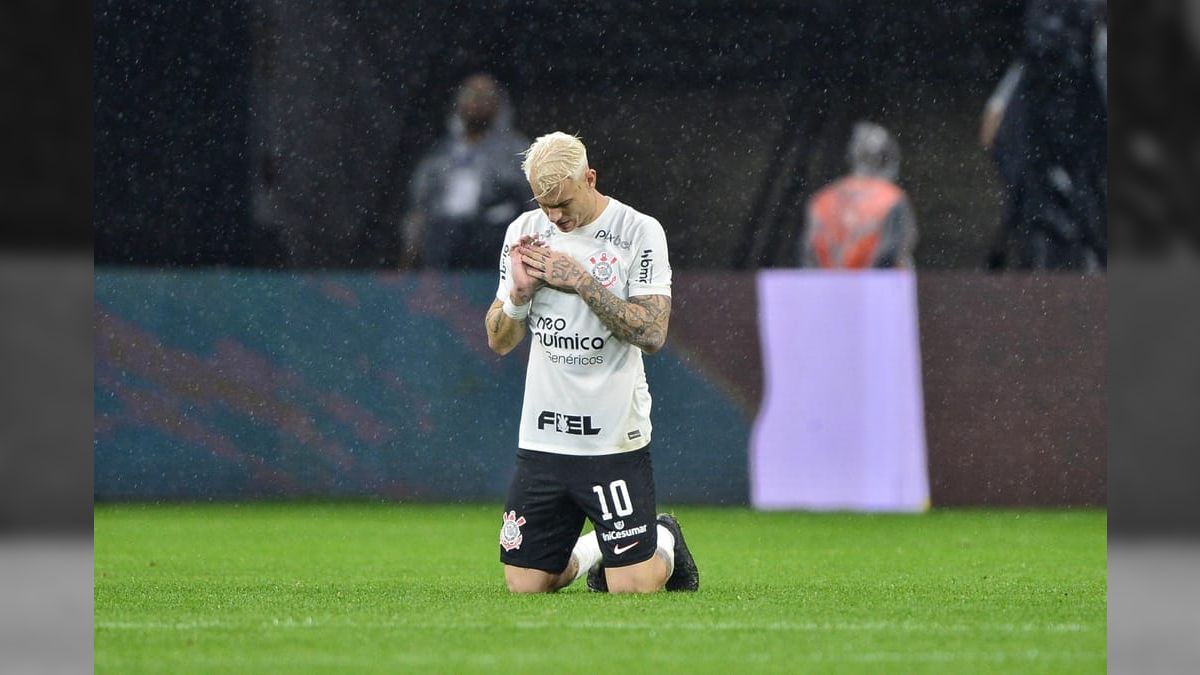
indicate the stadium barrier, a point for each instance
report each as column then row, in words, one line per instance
column 237, row 384
column 841, row 425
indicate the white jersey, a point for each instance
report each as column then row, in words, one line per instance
column 585, row 390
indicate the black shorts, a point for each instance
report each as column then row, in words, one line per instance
column 551, row 494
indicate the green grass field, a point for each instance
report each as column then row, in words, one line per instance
column 388, row 588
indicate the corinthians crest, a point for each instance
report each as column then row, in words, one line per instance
column 604, row 268
column 510, row 531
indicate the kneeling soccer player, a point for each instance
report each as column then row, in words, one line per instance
column 589, row 277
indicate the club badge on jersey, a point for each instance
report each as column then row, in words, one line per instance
column 604, row 268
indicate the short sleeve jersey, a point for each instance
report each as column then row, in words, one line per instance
column 585, row 390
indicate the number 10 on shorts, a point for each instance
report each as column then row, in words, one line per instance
column 620, row 497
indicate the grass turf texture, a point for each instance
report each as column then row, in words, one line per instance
column 388, row 588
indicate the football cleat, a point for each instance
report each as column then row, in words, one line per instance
column 686, row 576
column 596, row 580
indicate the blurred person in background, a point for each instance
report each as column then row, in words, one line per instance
column 864, row 219
column 469, row 186
column 590, row 279
column 1003, row 132
column 1046, row 126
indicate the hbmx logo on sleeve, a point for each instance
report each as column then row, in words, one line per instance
column 646, row 266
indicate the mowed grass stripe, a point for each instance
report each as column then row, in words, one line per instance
column 385, row 588
column 404, row 622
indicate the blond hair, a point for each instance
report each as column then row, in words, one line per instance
column 554, row 157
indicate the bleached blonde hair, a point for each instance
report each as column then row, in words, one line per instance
column 554, row 158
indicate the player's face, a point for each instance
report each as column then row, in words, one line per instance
column 573, row 204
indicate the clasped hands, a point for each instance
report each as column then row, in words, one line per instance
column 535, row 264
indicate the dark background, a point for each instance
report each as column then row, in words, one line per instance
column 152, row 130
column 173, row 121
column 226, row 132
column 45, row 125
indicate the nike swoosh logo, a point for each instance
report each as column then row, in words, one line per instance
column 618, row 550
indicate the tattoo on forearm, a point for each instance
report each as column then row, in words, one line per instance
column 503, row 335
column 494, row 326
column 641, row 321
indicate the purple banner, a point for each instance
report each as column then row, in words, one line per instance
column 841, row 426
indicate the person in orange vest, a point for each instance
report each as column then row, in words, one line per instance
column 864, row 219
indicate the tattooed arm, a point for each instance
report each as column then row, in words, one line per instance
column 503, row 332
column 640, row 321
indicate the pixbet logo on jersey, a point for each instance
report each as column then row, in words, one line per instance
column 576, row 425
column 615, row 239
